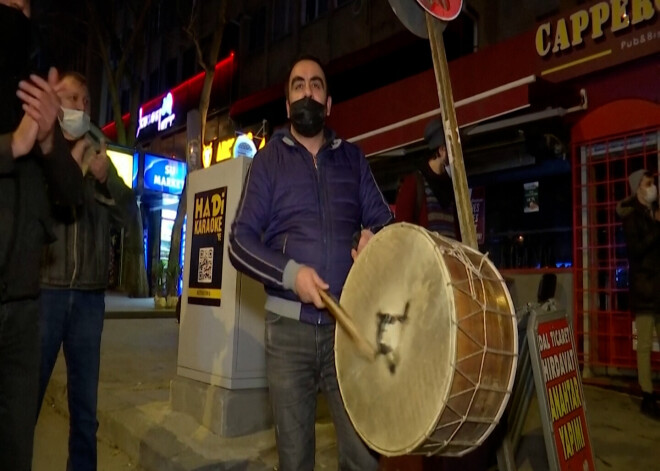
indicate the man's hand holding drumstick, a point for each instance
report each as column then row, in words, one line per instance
column 311, row 288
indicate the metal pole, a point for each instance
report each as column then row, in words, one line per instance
column 450, row 125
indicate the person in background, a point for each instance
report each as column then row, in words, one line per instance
column 641, row 231
column 426, row 196
column 75, row 271
column 306, row 195
column 35, row 164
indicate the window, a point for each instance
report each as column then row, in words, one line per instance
column 171, row 72
column 190, row 63
column 154, row 83
column 312, row 9
column 257, row 31
column 281, row 18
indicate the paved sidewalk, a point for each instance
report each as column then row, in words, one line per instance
column 138, row 360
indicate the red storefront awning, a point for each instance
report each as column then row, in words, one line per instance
column 404, row 124
column 485, row 85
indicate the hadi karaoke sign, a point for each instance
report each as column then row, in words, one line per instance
column 207, row 242
column 163, row 117
column 560, row 394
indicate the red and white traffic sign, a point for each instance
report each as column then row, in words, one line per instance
column 445, row 10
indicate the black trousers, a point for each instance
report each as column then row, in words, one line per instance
column 19, row 382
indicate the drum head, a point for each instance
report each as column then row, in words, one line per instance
column 398, row 297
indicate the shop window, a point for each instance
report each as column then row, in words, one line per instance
column 313, row 9
column 281, row 18
column 528, row 222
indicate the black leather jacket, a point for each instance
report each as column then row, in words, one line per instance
column 79, row 258
column 25, row 223
column 642, row 236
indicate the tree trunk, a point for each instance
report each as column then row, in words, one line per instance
column 204, row 102
column 134, row 273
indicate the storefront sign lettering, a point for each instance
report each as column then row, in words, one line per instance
column 163, row 116
column 616, row 15
column 228, row 147
column 163, row 174
column 207, row 242
column 560, row 393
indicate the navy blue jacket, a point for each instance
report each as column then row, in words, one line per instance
column 295, row 211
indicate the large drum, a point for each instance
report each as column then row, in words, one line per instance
column 443, row 322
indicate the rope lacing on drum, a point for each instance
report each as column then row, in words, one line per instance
column 472, row 273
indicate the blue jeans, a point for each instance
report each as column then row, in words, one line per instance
column 300, row 360
column 73, row 319
column 19, row 382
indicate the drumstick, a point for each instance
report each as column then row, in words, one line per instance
column 346, row 321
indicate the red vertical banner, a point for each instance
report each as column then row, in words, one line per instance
column 478, row 200
column 564, row 397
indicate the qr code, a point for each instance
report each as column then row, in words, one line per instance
column 205, row 270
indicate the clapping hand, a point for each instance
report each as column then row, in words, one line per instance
column 41, row 103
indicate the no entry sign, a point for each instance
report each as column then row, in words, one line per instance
column 445, row 10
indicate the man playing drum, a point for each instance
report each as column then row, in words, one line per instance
column 306, row 195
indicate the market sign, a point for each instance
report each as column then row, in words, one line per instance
column 598, row 36
column 163, row 117
column 164, row 175
column 559, row 390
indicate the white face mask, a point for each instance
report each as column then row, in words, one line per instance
column 74, row 122
column 650, row 194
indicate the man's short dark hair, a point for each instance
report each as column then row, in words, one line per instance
column 80, row 78
column 305, row 57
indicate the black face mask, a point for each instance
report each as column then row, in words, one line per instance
column 16, row 40
column 307, row 116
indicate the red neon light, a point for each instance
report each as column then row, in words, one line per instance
column 110, row 127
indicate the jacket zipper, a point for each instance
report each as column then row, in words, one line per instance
column 286, row 238
column 75, row 248
column 325, row 229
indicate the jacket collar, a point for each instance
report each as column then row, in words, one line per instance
column 331, row 140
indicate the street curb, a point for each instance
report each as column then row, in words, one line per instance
column 141, row 432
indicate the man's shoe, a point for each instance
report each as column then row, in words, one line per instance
column 650, row 407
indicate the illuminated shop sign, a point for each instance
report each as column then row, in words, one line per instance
column 163, row 117
column 570, row 32
column 244, row 144
column 126, row 163
column 165, row 175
